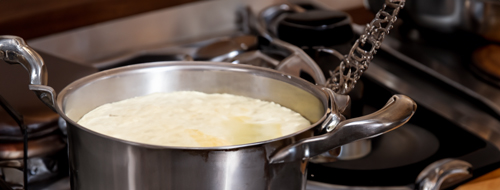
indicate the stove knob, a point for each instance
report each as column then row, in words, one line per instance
column 315, row 28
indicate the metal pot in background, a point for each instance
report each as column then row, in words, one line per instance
column 98, row 161
column 481, row 17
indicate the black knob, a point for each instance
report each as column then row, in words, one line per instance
column 316, row 28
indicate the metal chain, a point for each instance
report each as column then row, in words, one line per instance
column 345, row 76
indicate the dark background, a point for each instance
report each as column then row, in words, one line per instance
column 34, row 18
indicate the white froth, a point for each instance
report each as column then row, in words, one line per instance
column 193, row 119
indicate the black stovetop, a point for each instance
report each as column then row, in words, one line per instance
column 442, row 64
column 390, row 164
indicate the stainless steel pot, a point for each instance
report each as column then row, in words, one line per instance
column 98, row 161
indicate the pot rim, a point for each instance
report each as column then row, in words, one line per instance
column 265, row 72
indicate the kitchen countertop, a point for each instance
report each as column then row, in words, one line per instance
column 486, row 182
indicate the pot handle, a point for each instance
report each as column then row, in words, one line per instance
column 398, row 110
column 14, row 50
column 444, row 174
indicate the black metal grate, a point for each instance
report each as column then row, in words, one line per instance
column 20, row 121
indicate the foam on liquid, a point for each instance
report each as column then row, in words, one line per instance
column 193, row 119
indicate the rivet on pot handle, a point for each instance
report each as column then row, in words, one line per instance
column 398, row 110
column 14, row 50
column 338, row 104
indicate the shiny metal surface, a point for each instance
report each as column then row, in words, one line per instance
column 45, row 93
column 395, row 113
column 470, row 116
column 338, row 104
column 148, row 32
column 432, row 94
column 269, row 16
column 238, row 50
column 465, row 111
column 444, row 173
column 236, row 167
column 448, row 68
column 404, row 146
column 457, row 100
column 256, row 58
column 352, row 66
column 297, row 60
column 93, row 167
column 355, row 150
column 343, row 79
column 436, row 98
column 346, row 75
column 14, row 50
column 43, row 159
column 450, row 16
column 221, row 163
column 39, row 119
column 475, row 105
column 226, row 49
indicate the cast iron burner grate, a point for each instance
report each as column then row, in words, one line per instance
column 20, row 121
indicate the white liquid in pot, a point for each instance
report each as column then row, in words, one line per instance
column 193, row 119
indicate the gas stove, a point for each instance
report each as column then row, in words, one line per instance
column 455, row 126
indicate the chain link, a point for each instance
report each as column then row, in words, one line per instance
column 345, row 76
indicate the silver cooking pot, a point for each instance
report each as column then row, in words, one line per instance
column 98, row 161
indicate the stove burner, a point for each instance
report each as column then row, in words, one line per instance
column 435, row 138
column 406, row 145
